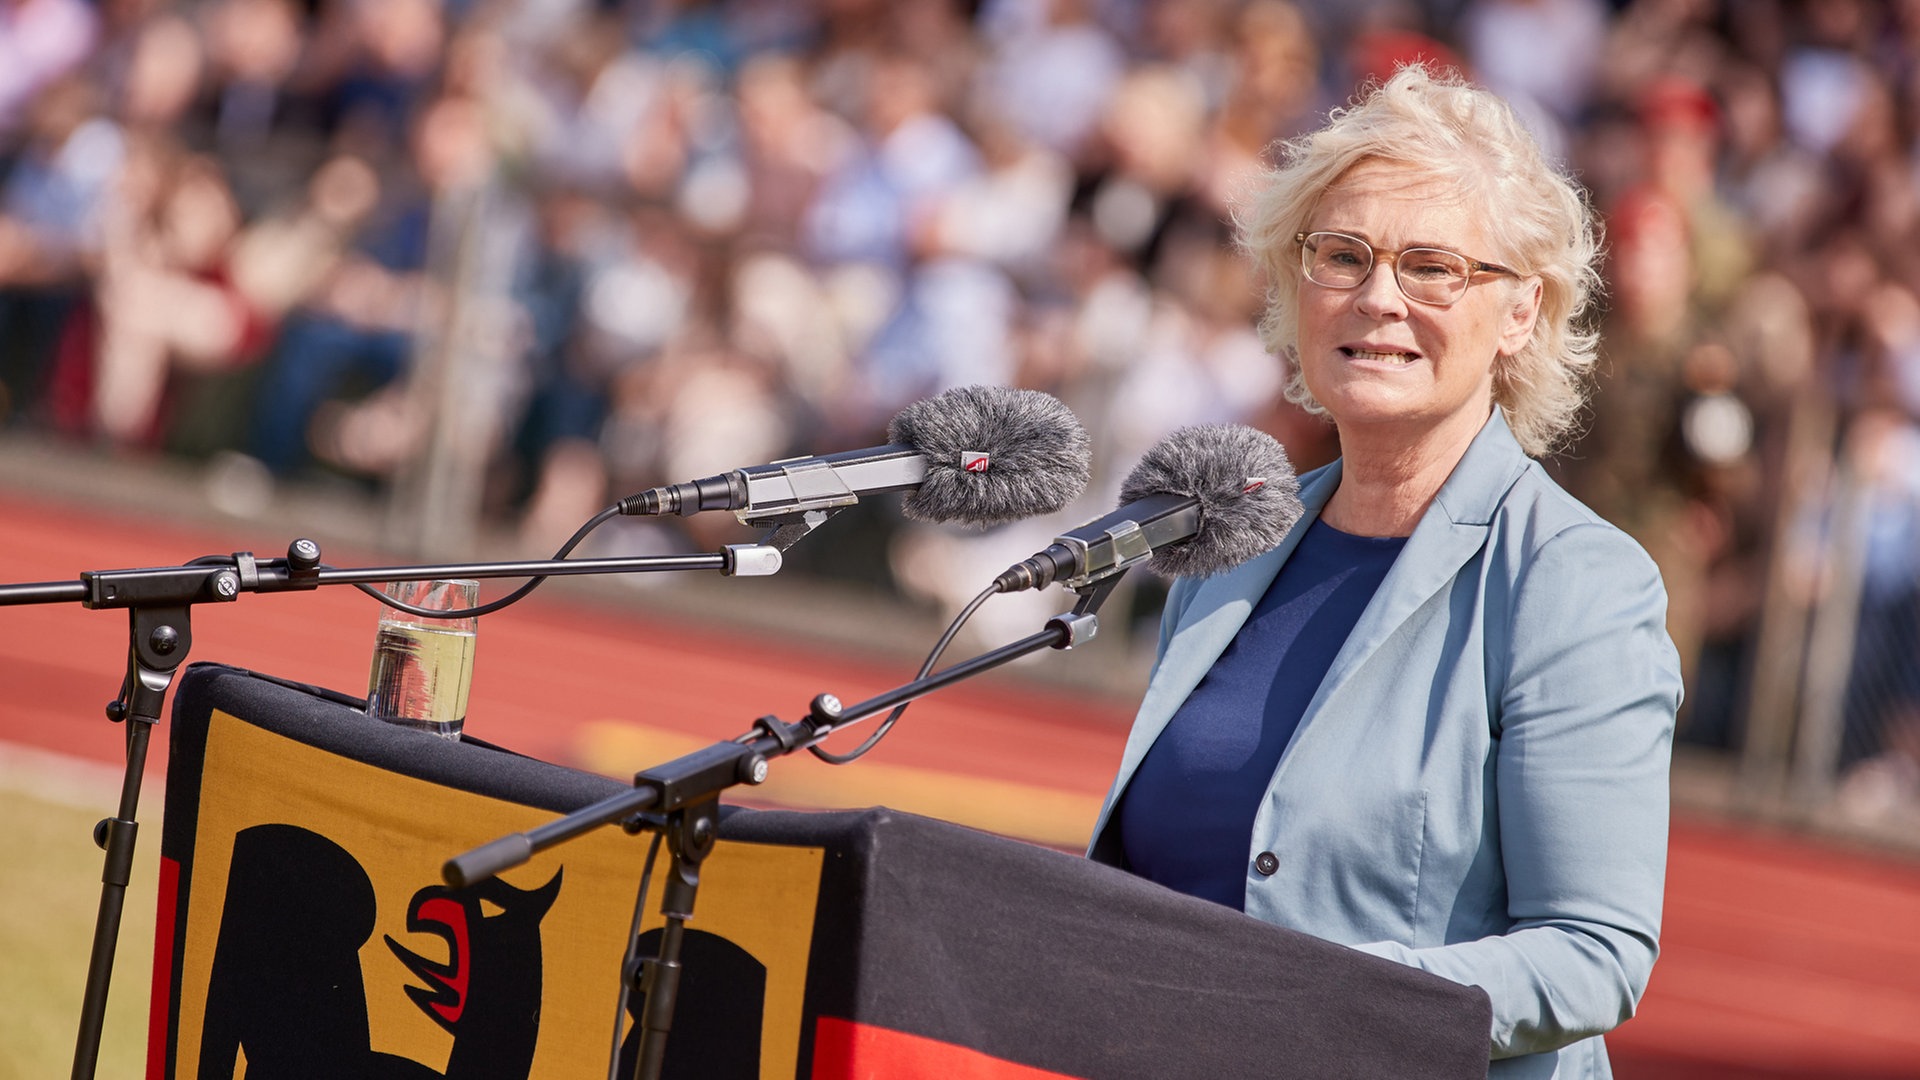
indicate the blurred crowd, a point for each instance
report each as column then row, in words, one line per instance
column 615, row 244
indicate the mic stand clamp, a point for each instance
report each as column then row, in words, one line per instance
column 690, row 834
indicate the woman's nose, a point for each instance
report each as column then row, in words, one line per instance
column 1379, row 295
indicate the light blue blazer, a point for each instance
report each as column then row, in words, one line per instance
column 1479, row 785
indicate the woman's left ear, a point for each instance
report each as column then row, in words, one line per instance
column 1517, row 329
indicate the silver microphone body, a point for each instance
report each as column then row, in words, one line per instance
column 1201, row 501
column 1107, row 545
column 793, row 485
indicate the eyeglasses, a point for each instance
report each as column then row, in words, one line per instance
column 1432, row 276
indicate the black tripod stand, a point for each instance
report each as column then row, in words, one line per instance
column 160, row 602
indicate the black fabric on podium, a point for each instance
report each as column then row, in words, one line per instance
column 1023, row 953
column 1045, row 958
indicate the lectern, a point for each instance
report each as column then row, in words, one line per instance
column 304, row 931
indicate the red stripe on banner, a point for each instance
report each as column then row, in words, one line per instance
column 162, row 969
column 845, row 1050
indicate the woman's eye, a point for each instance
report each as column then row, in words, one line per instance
column 1430, row 269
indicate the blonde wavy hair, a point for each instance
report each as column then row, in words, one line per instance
column 1537, row 219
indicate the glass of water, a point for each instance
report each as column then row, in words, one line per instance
column 423, row 667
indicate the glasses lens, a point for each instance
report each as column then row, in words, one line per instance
column 1335, row 261
column 1431, row 276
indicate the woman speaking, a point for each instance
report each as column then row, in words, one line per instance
column 1434, row 723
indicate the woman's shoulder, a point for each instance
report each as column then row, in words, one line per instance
column 1538, row 495
column 1499, row 486
column 1541, row 519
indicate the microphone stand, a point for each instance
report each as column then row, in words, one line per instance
column 160, row 602
column 682, row 800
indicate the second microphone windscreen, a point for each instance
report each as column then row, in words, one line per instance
column 1249, row 496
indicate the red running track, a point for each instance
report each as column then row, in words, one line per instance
column 1783, row 960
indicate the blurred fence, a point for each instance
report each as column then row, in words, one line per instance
column 1833, row 712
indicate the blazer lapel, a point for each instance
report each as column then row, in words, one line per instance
column 1220, row 606
column 1451, row 532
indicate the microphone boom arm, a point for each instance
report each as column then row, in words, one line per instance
column 687, row 791
column 744, row 759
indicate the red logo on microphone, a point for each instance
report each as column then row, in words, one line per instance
column 1254, row 483
column 973, row 460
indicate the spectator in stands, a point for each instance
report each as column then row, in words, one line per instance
column 54, row 201
column 167, row 300
column 356, row 334
column 40, row 40
column 252, row 112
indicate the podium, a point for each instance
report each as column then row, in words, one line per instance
column 304, row 931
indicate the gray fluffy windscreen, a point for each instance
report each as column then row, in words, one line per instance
column 1215, row 463
column 1039, row 457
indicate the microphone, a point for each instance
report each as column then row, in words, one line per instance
column 977, row 455
column 1203, row 500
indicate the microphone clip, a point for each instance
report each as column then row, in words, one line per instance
column 1118, row 548
column 787, row 529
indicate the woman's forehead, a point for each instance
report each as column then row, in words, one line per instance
column 1388, row 203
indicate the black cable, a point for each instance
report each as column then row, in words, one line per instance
column 932, row 658
column 632, row 958
column 580, row 534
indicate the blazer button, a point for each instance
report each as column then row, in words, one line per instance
column 1267, row 863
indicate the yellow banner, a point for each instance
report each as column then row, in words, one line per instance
column 311, row 871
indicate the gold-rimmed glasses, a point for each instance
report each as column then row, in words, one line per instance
column 1433, row 276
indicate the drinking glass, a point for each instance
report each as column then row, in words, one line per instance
column 423, row 667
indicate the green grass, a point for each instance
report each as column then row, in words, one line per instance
column 49, row 899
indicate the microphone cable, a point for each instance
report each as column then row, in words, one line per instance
column 630, row 963
column 513, row 597
column 926, row 669
column 1231, row 484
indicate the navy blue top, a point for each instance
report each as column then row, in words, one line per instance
column 1186, row 820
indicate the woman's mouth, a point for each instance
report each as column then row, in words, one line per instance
column 1353, row 353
